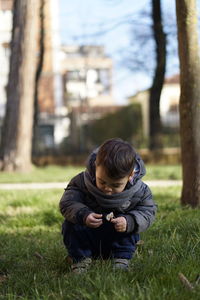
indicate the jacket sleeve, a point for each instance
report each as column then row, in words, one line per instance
column 143, row 214
column 72, row 204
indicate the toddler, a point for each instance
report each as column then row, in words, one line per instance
column 106, row 207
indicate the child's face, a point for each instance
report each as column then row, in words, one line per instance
column 109, row 185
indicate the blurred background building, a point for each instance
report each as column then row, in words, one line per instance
column 75, row 84
column 87, row 81
column 75, row 87
column 169, row 104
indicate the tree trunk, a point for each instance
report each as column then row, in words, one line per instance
column 186, row 12
column 17, row 129
column 158, row 80
column 38, row 75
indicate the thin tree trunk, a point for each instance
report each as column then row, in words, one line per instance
column 186, row 12
column 17, row 130
column 37, row 77
column 158, row 80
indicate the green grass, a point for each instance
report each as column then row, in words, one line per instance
column 157, row 172
column 30, row 223
column 43, row 174
column 63, row 174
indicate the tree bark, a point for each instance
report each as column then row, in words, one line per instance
column 186, row 12
column 158, row 80
column 16, row 139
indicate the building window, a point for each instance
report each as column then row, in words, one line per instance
column 73, row 75
column 104, row 79
column 6, row 47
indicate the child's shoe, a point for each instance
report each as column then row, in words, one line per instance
column 121, row 264
column 81, row 266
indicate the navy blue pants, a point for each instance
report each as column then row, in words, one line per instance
column 104, row 241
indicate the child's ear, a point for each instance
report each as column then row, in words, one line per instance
column 131, row 175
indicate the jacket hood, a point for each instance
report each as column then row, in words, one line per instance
column 139, row 168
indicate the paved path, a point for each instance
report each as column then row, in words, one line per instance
column 62, row 185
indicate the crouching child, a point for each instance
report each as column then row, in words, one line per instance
column 106, row 207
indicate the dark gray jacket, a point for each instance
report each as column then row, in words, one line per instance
column 81, row 197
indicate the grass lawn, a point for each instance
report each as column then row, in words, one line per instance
column 42, row 174
column 32, row 255
column 63, row 174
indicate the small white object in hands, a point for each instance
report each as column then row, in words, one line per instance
column 110, row 216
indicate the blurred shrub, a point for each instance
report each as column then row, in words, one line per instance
column 125, row 123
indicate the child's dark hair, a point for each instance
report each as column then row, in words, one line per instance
column 117, row 157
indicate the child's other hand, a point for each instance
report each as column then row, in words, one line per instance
column 120, row 224
column 93, row 220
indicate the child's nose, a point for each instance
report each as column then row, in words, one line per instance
column 108, row 189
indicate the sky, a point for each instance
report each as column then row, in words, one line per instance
column 81, row 20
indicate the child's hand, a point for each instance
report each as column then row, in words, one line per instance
column 120, row 224
column 93, row 220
